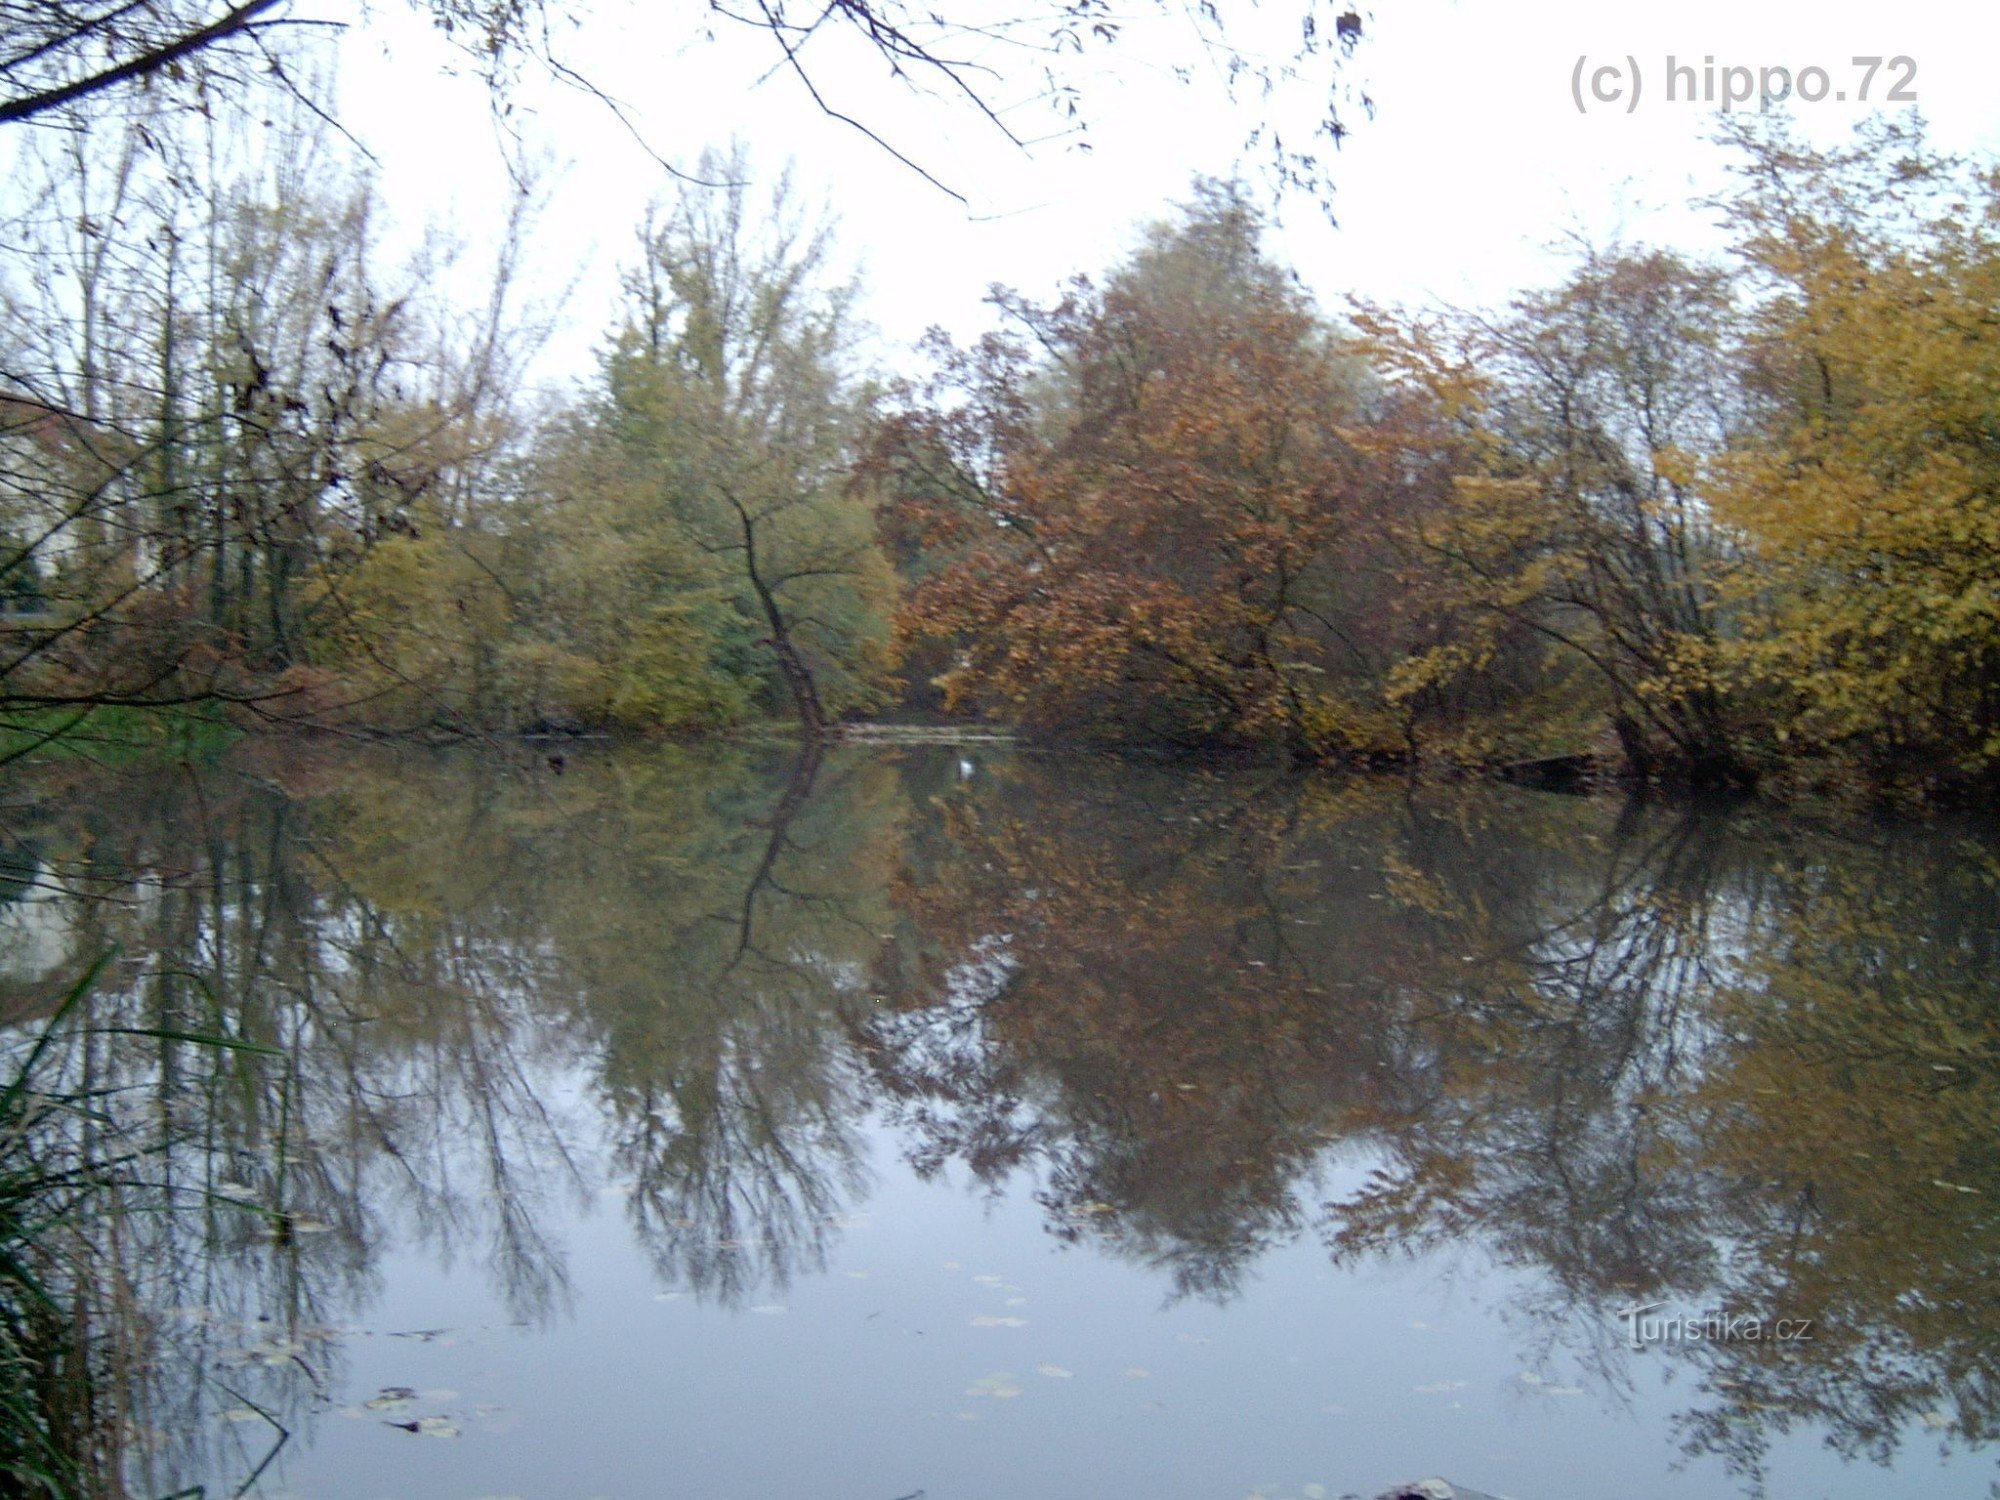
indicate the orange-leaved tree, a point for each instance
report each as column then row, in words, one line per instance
column 1141, row 512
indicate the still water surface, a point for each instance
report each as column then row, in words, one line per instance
column 963, row 1122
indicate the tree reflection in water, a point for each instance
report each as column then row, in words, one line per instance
column 1724, row 1062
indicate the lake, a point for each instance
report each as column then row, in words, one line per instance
column 967, row 1122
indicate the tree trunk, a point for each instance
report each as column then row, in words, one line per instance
column 798, row 677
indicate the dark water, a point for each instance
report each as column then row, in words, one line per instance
column 961, row 1122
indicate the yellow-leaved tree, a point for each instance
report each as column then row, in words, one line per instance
column 1868, row 506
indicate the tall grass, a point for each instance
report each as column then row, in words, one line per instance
column 65, row 1156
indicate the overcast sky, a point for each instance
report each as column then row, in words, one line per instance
column 1475, row 161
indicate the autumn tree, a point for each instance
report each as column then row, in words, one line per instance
column 221, row 395
column 1143, row 507
column 1869, row 505
column 1577, row 528
column 709, row 468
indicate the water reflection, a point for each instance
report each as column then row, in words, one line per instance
column 1639, row 1055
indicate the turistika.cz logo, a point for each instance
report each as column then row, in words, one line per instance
column 1646, row 1325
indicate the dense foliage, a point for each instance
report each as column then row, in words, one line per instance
column 1727, row 522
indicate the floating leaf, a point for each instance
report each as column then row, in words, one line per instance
column 984, row 1320
column 768, row 1309
column 999, row 1385
column 1054, row 1372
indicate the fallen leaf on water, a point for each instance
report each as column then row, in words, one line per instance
column 1054, row 1372
column 1440, row 1387
column 999, row 1385
column 668, row 1296
column 769, row 1309
column 1564, row 1390
column 242, row 1414
column 1191, row 1338
column 435, row 1427
column 984, row 1320
column 392, row 1395
column 987, row 1280
column 1138, row 1374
